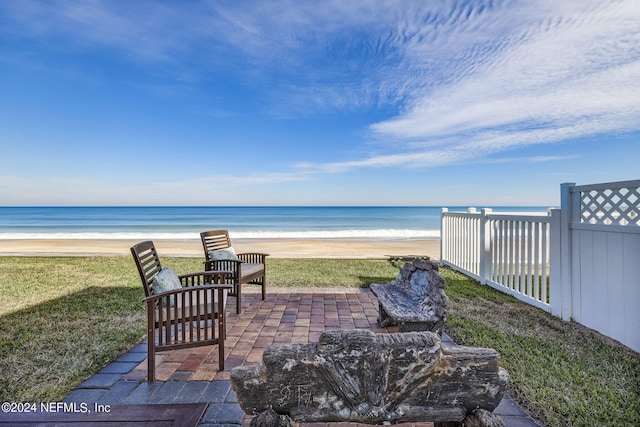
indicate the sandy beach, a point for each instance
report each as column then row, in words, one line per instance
column 280, row 248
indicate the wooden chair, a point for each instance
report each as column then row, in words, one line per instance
column 185, row 317
column 249, row 268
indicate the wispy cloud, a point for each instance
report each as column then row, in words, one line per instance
column 571, row 69
column 467, row 79
column 481, row 80
column 133, row 29
column 531, row 159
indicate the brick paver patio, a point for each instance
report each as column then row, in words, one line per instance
column 284, row 317
column 192, row 376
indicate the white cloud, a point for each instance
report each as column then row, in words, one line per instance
column 133, row 30
column 531, row 159
column 573, row 70
column 468, row 79
column 481, row 81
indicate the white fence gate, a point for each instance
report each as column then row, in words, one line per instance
column 580, row 262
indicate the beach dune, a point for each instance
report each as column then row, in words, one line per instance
column 279, row 248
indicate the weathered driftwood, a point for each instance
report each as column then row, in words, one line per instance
column 478, row 418
column 271, row 418
column 415, row 301
column 359, row 376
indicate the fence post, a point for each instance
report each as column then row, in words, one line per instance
column 443, row 235
column 566, row 216
column 485, row 246
column 555, row 265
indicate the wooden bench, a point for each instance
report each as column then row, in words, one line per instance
column 359, row 376
column 415, row 301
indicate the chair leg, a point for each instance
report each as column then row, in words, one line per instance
column 151, row 358
column 238, row 299
column 222, row 330
column 221, row 352
column 264, row 287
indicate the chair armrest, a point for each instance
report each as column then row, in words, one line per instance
column 175, row 306
column 185, row 290
column 204, row 277
column 253, row 257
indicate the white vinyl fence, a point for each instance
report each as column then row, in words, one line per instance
column 600, row 258
column 508, row 251
column 580, row 262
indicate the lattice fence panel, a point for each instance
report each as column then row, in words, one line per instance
column 616, row 206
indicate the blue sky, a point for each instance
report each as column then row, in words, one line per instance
column 315, row 103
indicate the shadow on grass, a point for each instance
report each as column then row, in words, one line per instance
column 49, row 348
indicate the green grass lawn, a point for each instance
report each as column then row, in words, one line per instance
column 561, row 372
column 62, row 319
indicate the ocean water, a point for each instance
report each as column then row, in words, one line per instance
column 185, row 223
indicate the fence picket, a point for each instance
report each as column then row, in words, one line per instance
column 516, row 247
column 544, row 243
column 531, row 263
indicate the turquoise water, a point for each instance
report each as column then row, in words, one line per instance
column 242, row 222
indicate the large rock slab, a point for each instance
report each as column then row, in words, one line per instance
column 359, row 376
